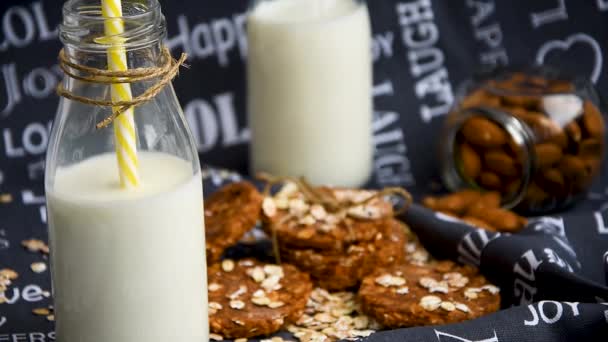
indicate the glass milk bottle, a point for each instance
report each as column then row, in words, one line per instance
column 309, row 89
column 128, row 265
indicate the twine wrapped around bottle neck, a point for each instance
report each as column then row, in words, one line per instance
column 165, row 74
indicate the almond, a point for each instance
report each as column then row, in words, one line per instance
column 574, row 131
column 513, row 186
column 483, row 132
column 535, row 194
column 542, row 127
column 474, row 221
column 593, row 121
column 573, row 167
column 547, row 154
column 590, row 148
column 560, row 139
column 501, row 163
column 471, row 163
column 502, row 220
column 480, row 98
column 489, row 180
column 527, row 101
column 559, row 86
column 553, row 181
column 489, row 199
column 456, row 202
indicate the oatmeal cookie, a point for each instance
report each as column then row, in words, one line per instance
column 300, row 223
column 438, row 293
column 229, row 213
column 248, row 298
column 339, row 270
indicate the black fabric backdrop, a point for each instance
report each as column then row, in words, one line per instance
column 414, row 87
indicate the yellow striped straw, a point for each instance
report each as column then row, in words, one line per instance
column 124, row 125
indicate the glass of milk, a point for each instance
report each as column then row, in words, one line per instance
column 309, row 89
column 127, row 265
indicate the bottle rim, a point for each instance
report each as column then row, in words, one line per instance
column 83, row 25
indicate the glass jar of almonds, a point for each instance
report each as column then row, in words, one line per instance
column 532, row 134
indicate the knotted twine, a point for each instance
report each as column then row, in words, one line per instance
column 165, row 74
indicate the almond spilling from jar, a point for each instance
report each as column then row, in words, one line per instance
column 474, row 221
column 489, row 199
column 547, row 154
column 503, row 220
column 484, row 133
column 455, row 203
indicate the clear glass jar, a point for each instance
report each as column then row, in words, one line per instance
column 533, row 134
column 127, row 264
column 309, row 77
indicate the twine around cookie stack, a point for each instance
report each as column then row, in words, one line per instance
column 120, row 78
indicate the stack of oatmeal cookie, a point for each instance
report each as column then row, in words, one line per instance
column 342, row 240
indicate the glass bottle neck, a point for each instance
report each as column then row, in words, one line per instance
column 86, row 40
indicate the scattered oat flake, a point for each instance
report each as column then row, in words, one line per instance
column 6, row 198
column 50, row 318
column 9, row 274
column 307, row 220
column 456, row 279
column 237, row 304
column 274, row 305
column 215, row 305
column 491, row 288
column 228, row 265
column 472, row 292
column 427, row 282
column 403, row 290
column 462, row 307
column 214, row 287
column 216, row 337
column 240, row 340
column 41, row 311
column 273, row 270
column 38, row 267
column 46, row 294
column 260, row 301
column 388, row 280
column 269, row 207
column 448, row 306
column 430, row 303
column 242, row 290
column 257, row 274
column 35, row 245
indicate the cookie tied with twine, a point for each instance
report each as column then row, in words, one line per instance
column 165, row 74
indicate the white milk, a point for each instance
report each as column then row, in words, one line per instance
column 129, row 266
column 309, row 86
